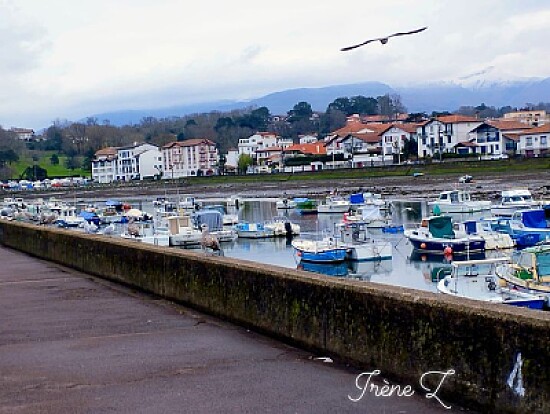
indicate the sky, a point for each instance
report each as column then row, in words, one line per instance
column 67, row 59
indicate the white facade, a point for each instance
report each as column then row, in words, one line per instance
column 104, row 166
column 262, row 141
column 393, row 141
column 535, row 142
column 24, row 134
column 443, row 134
column 307, row 139
column 193, row 157
column 232, row 158
column 137, row 162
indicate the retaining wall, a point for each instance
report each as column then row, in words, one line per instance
column 500, row 354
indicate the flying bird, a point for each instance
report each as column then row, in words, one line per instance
column 384, row 40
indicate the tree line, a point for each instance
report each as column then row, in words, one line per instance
column 78, row 141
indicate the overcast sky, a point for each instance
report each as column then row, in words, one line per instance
column 72, row 58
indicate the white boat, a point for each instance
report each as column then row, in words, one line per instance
column 281, row 226
column 457, row 201
column 477, row 279
column 188, row 203
column 369, row 214
column 334, row 204
column 247, row 230
column 147, row 232
column 181, row 231
column 67, row 216
column 494, row 240
column 354, row 237
column 514, row 200
column 285, row 204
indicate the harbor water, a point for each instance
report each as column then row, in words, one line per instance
column 405, row 268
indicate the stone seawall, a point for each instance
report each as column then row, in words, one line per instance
column 500, row 354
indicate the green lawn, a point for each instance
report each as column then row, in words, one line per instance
column 44, row 162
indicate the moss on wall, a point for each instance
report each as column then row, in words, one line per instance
column 401, row 332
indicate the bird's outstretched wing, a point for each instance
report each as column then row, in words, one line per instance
column 408, row 33
column 359, row 45
column 384, row 40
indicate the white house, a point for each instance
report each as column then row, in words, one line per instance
column 192, row 157
column 24, row 134
column 232, row 159
column 534, row 142
column 493, row 137
column 104, row 165
column 360, row 144
column 132, row 162
column 260, row 140
column 138, row 161
column 393, row 140
column 443, row 134
column 307, row 139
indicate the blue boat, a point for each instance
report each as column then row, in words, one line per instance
column 531, row 223
column 436, row 236
column 326, row 250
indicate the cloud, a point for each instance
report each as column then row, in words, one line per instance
column 67, row 59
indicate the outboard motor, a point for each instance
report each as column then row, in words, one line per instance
column 288, row 230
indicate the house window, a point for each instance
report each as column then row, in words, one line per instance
column 528, row 141
column 543, row 140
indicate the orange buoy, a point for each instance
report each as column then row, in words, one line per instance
column 422, row 245
column 447, row 251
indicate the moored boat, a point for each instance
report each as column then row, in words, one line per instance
column 514, row 200
column 532, row 223
column 334, row 204
column 360, row 245
column 435, row 235
column 327, row 250
column 306, row 206
column 252, row 230
column 458, row 201
column 530, row 271
column 477, row 279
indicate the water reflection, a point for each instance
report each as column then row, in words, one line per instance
column 353, row 270
column 406, row 268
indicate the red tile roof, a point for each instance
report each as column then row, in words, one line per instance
column 314, row 148
column 543, row 129
column 106, row 151
column 507, row 125
column 456, row 119
column 189, row 143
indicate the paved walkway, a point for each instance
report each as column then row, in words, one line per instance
column 72, row 343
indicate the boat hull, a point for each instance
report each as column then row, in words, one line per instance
column 439, row 246
column 326, row 256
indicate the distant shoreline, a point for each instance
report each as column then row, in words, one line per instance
column 486, row 186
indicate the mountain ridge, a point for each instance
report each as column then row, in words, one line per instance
column 442, row 96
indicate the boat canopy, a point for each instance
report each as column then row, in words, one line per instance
column 534, row 219
column 212, row 218
column 441, row 227
column 356, row 198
